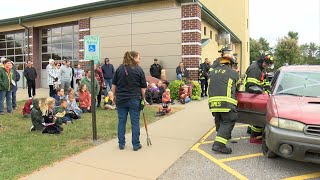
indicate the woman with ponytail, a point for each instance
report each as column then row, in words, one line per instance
column 129, row 86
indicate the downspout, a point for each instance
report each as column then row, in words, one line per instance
column 28, row 47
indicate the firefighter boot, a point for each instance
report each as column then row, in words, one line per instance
column 255, row 139
column 222, row 149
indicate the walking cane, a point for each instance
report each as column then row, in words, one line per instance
column 146, row 127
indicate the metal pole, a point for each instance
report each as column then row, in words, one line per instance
column 28, row 47
column 93, row 102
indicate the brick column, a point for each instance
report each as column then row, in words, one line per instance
column 191, row 37
column 84, row 29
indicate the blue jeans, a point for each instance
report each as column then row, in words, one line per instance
column 132, row 107
column 179, row 76
column 7, row 95
column 108, row 83
column 14, row 98
column 187, row 100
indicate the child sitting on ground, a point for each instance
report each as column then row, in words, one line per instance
column 49, row 119
column 26, row 111
column 184, row 94
column 73, row 110
column 60, row 113
column 36, row 116
column 165, row 106
column 84, row 99
column 109, row 101
column 155, row 92
column 59, row 95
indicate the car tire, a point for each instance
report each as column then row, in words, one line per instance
column 265, row 150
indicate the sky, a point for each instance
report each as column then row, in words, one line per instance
column 271, row 19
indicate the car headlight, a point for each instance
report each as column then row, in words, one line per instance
column 287, row 124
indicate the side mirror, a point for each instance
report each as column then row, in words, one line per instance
column 255, row 90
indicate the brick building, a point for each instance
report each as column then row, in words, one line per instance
column 170, row 30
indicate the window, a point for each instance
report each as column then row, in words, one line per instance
column 210, row 34
column 60, row 43
column 11, row 46
column 205, row 31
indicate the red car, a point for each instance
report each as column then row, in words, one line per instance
column 290, row 115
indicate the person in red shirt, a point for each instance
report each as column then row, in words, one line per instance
column 99, row 77
column 84, row 99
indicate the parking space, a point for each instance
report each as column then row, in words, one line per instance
column 246, row 162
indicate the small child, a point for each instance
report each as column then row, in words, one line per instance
column 166, row 100
column 36, row 116
column 59, row 95
column 49, row 119
column 184, row 94
column 109, row 101
column 26, row 111
column 154, row 88
column 73, row 111
column 60, row 112
column 84, row 99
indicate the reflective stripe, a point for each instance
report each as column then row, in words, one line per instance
column 223, row 98
column 255, row 129
column 211, row 69
column 220, row 110
column 230, row 81
column 255, row 81
column 221, row 140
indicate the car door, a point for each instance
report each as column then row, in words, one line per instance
column 252, row 107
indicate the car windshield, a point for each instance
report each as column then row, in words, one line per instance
column 299, row 84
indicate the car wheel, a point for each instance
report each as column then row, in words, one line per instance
column 265, row 150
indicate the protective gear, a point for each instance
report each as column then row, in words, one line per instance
column 267, row 57
column 222, row 102
column 203, row 77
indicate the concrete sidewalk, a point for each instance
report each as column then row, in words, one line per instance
column 22, row 94
column 171, row 137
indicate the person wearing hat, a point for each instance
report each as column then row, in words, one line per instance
column 52, row 76
column 108, row 73
column 257, row 76
column 223, row 101
column 7, row 83
column 155, row 69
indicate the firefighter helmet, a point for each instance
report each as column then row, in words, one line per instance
column 267, row 57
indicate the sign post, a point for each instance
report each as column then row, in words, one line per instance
column 92, row 53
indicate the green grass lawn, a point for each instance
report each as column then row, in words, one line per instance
column 22, row 151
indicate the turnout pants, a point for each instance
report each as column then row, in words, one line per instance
column 204, row 86
column 225, row 122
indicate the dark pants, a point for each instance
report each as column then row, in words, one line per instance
column 52, row 91
column 85, row 110
column 99, row 99
column 204, row 86
column 31, row 87
column 133, row 108
column 224, row 124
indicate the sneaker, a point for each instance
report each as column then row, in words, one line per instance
column 202, row 95
column 121, row 147
column 222, row 149
column 15, row 108
column 32, row 128
column 137, row 148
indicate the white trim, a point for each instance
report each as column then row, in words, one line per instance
column 27, row 45
column 191, row 18
column 193, row 69
column 191, row 56
column 81, row 40
column 191, row 30
column 80, row 30
column 81, row 50
column 191, row 3
column 27, row 37
column 30, row 54
column 191, row 43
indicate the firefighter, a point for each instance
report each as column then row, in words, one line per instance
column 223, row 50
column 257, row 76
column 222, row 101
column 203, row 76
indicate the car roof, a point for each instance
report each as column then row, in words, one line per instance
column 300, row 68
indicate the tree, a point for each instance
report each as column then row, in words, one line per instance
column 293, row 35
column 287, row 51
column 310, row 53
column 256, row 46
column 264, row 44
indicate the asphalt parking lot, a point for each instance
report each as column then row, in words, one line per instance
column 246, row 162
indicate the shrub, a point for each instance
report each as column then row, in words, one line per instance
column 174, row 87
column 196, row 90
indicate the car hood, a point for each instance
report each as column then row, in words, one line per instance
column 302, row 109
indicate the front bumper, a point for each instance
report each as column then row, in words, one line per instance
column 305, row 147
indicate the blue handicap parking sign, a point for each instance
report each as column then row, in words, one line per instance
column 92, row 48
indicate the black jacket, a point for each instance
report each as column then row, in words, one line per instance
column 155, row 70
column 204, row 70
column 178, row 71
column 36, row 115
column 108, row 71
column 30, row 73
column 222, row 89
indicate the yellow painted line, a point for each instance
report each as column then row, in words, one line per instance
column 306, row 176
column 222, row 165
column 233, row 139
column 242, row 125
column 240, row 157
column 208, row 134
